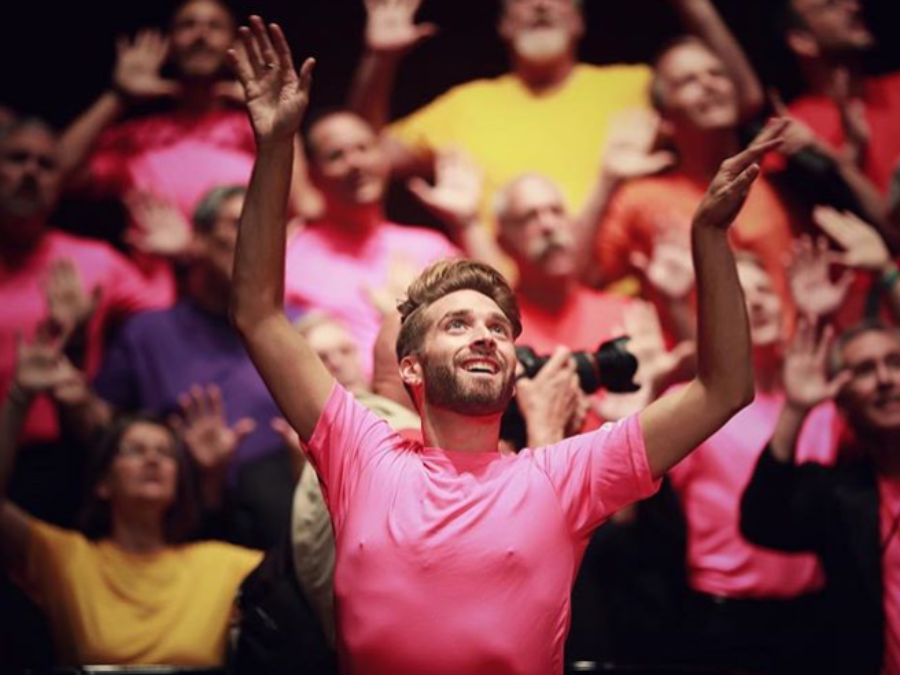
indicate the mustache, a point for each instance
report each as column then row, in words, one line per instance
column 557, row 241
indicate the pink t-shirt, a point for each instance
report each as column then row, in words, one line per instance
column 710, row 483
column 177, row 156
column 333, row 271
column 889, row 517
column 122, row 293
column 455, row 562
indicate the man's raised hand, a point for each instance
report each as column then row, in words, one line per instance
column 729, row 188
column 277, row 95
column 138, row 63
column 390, row 28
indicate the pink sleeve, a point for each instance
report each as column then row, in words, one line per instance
column 346, row 437
column 598, row 473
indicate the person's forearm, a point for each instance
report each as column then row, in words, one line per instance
column 258, row 285
column 80, row 136
column 13, row 411
column 787, row 431
column 724, row 361
column 373, row 84
column 702, row 19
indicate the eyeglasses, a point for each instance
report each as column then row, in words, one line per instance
column 138, row 450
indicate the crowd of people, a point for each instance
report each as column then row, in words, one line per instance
column 263, row 427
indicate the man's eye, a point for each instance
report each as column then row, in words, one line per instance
column 500, row 329
column 456, row 323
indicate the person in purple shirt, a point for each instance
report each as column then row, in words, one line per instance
column 189, row 356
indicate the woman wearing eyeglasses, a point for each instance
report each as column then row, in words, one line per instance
column 128, row 588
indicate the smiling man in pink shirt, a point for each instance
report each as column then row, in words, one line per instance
column 453, row 557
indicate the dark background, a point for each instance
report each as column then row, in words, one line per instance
column 56, row 57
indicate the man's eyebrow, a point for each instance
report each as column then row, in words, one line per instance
column 457, row 314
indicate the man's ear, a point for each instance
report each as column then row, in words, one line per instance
column 411, row 371
column 802, row 43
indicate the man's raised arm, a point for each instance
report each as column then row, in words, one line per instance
column 677, row 423
column 277, row 97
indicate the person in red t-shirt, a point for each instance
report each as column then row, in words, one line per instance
column 855, row 113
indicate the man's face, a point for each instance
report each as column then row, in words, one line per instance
column 338, row 352
column 216, row 248
column 872, row 397
column 831, row 27
column 696, row 90
column 29, row 177
column 536, row 229
column 541, row 30
column 468, row 360
column 201, row 33
column 763, row 304
column 348, row 164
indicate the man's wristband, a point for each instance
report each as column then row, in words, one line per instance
column 890, row 277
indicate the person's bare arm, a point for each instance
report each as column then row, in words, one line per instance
column 277, row 96
column 702, row 19
column 135, row 77
column 676, row 424
column 390, row 34
column 40, row 367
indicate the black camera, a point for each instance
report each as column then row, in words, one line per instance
column 611, row 366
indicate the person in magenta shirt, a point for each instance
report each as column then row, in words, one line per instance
column 751, row 608
column 452, row 557
column 362, row 254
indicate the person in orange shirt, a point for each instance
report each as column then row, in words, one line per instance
column 699, row 108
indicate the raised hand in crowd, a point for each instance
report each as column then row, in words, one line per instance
column 69, row 305
column 669, row 269
column 210, row 440
column 277, row 95
column 632, row 146
column 864, row 248
column 552, row 403
column 391, row 28
column 41, row 366
column 160, row 227
column 136, row 74
column 814, row 292
column 806, row 384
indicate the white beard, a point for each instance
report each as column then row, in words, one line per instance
column 542, row 44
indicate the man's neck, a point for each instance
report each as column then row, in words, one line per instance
column 353, row 219
column 544, row 76
column 700, row 153
column 550, row 293
column 138, row 531
column 460, row 433
column 198, row 97
column 13, row 251
column 822, row 75
column 209, row 293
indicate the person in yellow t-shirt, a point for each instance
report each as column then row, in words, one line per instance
column 128, row 589
column 549, row 114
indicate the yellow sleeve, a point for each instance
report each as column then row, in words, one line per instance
column 50, row 549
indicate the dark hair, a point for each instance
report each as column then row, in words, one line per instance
column 95, row 519
column 445, row 277
column 657, row 94
column 16, row 124
column 207, row 211
column 221, row 3
column 788, row 18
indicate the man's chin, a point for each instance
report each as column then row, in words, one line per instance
column 542, row 44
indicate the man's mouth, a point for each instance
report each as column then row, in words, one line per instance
column 481, row 366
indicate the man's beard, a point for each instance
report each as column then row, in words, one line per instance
column 542, row 44
column 445, row 389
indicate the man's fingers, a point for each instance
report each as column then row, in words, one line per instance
column 741, row 184
column 266, row 49
column 243, row 427
column 251, row 50
column 282, row 49
column 306, row 73
column 777, row 102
